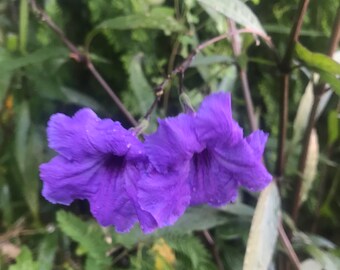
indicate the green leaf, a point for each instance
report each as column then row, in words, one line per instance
column 333, row 127
column 75, row 97
column 36, row 57
column 326, row 77
column 47, row 251
column 161, row 19
column 23, row 25
column 24, row 261
column 316, row 61
column 191, row 247
column 139, row 85
column 237, row 11
column 264, row 230
column 21, row 137
column 193, row 220
column 88, row 235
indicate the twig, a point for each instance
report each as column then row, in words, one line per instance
column 159, row 89
column 318, row 91
column 80, row 57
column 285, row 69
column 236, row 45
column 288, row 246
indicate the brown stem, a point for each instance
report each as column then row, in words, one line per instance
column 318, row 91
column 109, row 91
column 280, row 164
column 285, row 69
column 236, row 46
column 288, row 246
column 82, row 58
column 214, row 249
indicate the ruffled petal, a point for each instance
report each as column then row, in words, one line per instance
column 165, row 196
column 214, row 120
column 245, row 165
column 64, row 180
column 173, row 143
column 210, row 183
column 85, row 135
column 257, row 141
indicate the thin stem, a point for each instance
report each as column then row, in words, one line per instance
column 82, row 58
column 288, row 246
column 214, row 249
column 109, row 91
column 285, row 69
column 318, row 91
column 236, row 46
column 159, row 89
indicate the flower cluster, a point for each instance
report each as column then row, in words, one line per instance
column 197, row 158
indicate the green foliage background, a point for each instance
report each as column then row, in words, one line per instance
column 134, row 44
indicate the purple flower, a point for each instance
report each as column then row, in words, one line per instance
column 208, row 154
column 99, row 161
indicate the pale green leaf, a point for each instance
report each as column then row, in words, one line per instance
column 237, row 11
column 264, row 230
column 310, row 264
column 310, row 171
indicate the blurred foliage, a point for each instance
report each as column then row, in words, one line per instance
column 134, row 44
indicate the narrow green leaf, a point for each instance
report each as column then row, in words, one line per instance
column 333, row 127
column 263, row 231
column 161, row 19
column 139, row 85
column 88, row 235
column 23, row 25
column 237, row 11
column 10, row 64
column 21, row 137
column 317, row 61
column 192, row 220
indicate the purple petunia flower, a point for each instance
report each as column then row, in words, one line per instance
column 208, row 154
column 99, row 161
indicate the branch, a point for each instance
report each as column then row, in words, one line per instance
column 285, row 69
column 318, row 91
column 80, row 57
